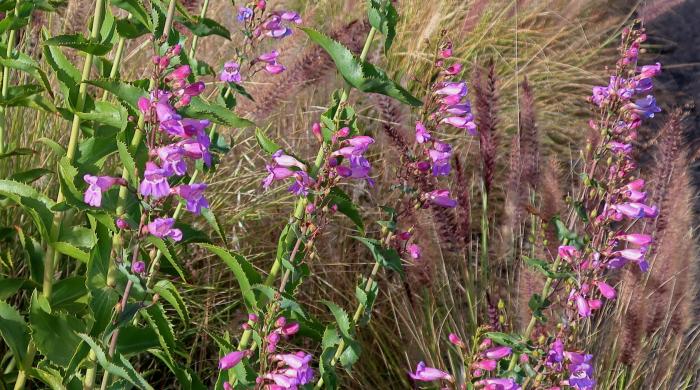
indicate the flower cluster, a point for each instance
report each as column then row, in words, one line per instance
column 171, row 140
column 258, row 25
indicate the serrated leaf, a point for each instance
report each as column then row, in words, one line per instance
column 12, row 22
column 167, row 290
column 160, row 244
column 386, row 257
column 203, row 27
column 199, row 109
column 361, row 75
column 160, row 324
column 350, row 355
column 341, row 318
column 128, row 163
column 135, row 8
column 67, row 291
column 79, row 42
column 244, row 272
column 67, row 74
column 26, row 64
column 106, row 113
column 19, row 93
column 127, row 93
column 119, row 366
column 30, row 175
column 127, row 28
column 54, row 334
column 37, row 205
column 134, row 339
column 14, row 330
column 346, row 207
column 71, row 251
column 267, row 144
column 58, row 150
column 383, row 17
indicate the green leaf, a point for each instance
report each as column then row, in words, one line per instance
column 351, row 354
column 12, row 22
column 10, row 286
column 30, row 175
column 503, row 339
column 19, row 93
column 265, row 142
column 135, row 8
column 130, row 29
column 566, row 235
column 199, row 109
column 203, row 27
column 213, row 221
column 35, row 254
column 346, row 207
column 128, row 163
column 134, row 339
column 55, row 147
column 119, row 366
column 67, row 291
column 67, row 74
column 341, row 318
column 106, row 113
column 54, row 334
column 26, row 64
column 167, row 290
column 127, row 93
column 14, row 330
column 386, row 257
column 163, row 248
column 37, row 205
column 71, row 251
column 545, row 268
column 160, row 324
column 244, row 272
column 361, row 75
column 79, row 42
column 383, row 18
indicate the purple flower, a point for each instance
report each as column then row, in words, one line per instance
column 414, row 251
column 634, row 210
column 244, row 13
column 555, row 355
column 269, row 57
column 97, row 185
column 359, row 168
column 422, row 134
column 453, row 88
column 485, row 364
column 275, row 68
column 301, row 184
column 163, row 227
column 645, row 108
column 181, row 72
column 194, row 195
column 580, row 371
column 172, row 159
column 428, row 374
column 155, row 181
column 291, row 16
column 455, row 340
column 138, row 267
column 498, row 352
column 499, row 384
column 636, row 238
column 231, row 72
column 582, row 305
column 459, row 109
column 294, row 360
column 165, row 112
column 290, row 329
column 441, row 155
column 284, row 160
column 462, row 122
column 441, row 198
column 232, row 359
column 619, row 147
column 606, row 290
column 276, row 173
column 648, row 71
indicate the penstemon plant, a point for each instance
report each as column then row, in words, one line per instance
column 105, row 225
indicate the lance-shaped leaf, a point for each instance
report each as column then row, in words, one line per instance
column 199, row 109
column 387, row 257
column 135, row 8
column 37, row 205
column 361, row 75
column 54, row 333
column 243, row 271
column 127, row 93
column 119, row 366
column 79, row 42
column 203, row 27
column 14, row 330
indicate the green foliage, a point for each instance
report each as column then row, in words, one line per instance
column 383, row 17
column 361, row 75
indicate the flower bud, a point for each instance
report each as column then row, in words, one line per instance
column 454, row 339
column 316, row 130
column 253, row 317
column 122, row 224
column 280, row 322
column 261, row 5
column 138, row 267
column 485, row 344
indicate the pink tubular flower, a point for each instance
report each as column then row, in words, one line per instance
column 231, row 360
column 422, row 135
column 181, row 72
column 636, row 238
column 485, row 364
column 231, row 72
column 455, row 340
column 290, row 329
column 97, row 185
column 284, row 160
column 428, row 374
column 193, row 194
column 163, row 227
column 498, row 384
column 582, row 305
column 441, row 198
column 155, row 181
column 568, row 253
column 414, row 251
column 606, row 290
column 441, row 155
column 465, row 122
column 269, row 57
column 498, row 352
column 453, row 88
column 275, row 68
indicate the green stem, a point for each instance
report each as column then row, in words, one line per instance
column 52, row 256
column 6, row 85
column 300, row 205
column 195, row 39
